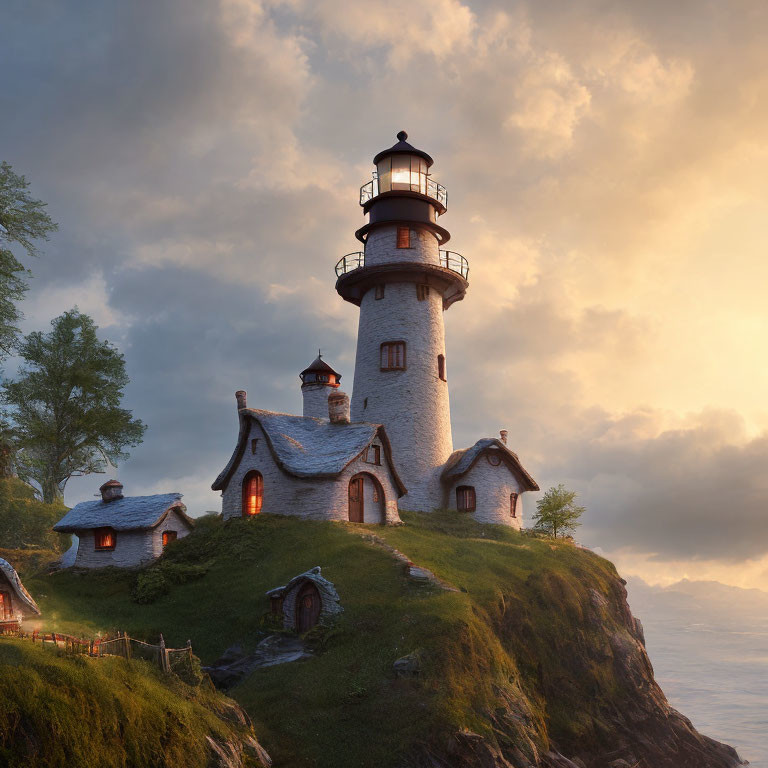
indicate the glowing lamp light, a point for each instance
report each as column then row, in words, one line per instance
column 402, row 173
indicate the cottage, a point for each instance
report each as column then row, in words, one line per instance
column 16, row 604
column 124, row 531
column 486, row 481
column 320, row 469
column 305, row 601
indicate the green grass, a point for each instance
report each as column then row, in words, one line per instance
column 58, row 710
column 514, row 655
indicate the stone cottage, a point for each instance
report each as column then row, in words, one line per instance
column 124, row 531
column 403, row 281
column 306, row 600
column 16, row 604
column 322, row 469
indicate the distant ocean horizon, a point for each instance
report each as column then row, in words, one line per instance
column 708, row 644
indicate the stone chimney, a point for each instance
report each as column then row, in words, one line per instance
column 240, row 396
column 503, row 434
column 338, row 407
column 111, row 490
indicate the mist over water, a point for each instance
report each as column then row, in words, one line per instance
column 709, row 647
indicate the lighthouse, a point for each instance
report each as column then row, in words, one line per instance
column 403, row 281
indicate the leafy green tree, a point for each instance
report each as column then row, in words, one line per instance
column 66, row 405
column 25, row 522
column 22, row 221
column 557, row 512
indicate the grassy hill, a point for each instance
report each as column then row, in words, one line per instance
column 536, row 651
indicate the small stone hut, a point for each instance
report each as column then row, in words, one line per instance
column 487, row 481
column 306, row 600
column 16, row 604
column 124, row 531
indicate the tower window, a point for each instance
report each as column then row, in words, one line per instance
column 379, row 291
column 372, row 454
column 465, row 498
column 393, row 356
column 422, row 291
column 513, row 504
column 104, row 538
column 403, row 237
column 253, row 494
column 441, row 367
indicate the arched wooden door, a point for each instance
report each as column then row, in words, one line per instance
column 308, row 606
column 356, row 499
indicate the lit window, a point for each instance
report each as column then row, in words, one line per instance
column 513, row 504
column 379, row 292
column 422, row 291
column 441, row 367
column 253, row 494
column 393, row 356
column 372, row 454
column 403, row 237
column 168, row 537
column 104, row 538
column 5, row 606
column 465, row 498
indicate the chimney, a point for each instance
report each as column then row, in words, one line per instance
column 338, row 407
column 111, row 490
column 503, row 434
column 240, row 397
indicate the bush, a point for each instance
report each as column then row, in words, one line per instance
column 158, row 579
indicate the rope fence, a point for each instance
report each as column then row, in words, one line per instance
column 167, row 659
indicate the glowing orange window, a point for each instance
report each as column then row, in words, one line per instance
column 104, row 538
column 253, row 494
column 168, row 537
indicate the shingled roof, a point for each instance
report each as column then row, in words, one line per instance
column 128, row 513
column 307, row 447
column 9, row 572
column 460, row 462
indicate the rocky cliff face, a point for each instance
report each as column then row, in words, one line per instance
column 623, row 719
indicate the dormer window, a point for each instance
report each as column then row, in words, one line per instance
column 104, row 538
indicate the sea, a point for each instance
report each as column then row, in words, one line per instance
column 708, row 644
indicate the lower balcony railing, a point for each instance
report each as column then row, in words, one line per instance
column 448, row 259
column 349, row 262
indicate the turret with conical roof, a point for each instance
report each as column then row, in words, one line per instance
column 318, row 380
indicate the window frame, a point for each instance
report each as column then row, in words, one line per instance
column 169, row 537
column 98, row 538
column 441, row 368
column 376, row 455
column 392, row 359
column 378, row 291
column 422, row 291
column 403, row 236
column 466, row 498
column 513, row 497
column 245, row 493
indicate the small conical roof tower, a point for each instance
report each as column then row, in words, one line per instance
column 318, row 380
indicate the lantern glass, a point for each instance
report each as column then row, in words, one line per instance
column 402, row 173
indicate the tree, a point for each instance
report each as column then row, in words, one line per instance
column 22, row 221
column 556, row 512
column 66, row 405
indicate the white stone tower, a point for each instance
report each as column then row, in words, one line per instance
column 403, row 282
column 318, row 380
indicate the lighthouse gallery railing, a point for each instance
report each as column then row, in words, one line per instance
column 448, row 259
column 433, row 189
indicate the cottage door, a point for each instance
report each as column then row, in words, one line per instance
column 307, row 607
column 356, row 500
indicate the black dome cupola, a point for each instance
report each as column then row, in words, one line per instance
column 402, row 191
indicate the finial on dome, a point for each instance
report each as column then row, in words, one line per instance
column 402, row 136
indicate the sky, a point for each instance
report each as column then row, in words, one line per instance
column 607, row 169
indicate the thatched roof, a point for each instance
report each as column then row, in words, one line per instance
column 7, row 570
column 307, row 447
column 460, row 462
column 128, row 513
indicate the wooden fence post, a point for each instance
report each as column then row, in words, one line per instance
column 165, row 663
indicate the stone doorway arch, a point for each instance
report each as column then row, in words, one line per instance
column 366, row 499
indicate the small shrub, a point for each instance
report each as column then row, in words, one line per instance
column 150, row 585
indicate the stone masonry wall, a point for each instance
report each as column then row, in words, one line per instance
column 132, row 548
column 412, row 404
column 311, row 498
column 493, row 486
column 315, row 397
column 173, row 522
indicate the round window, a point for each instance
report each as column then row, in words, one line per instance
column 493, row 458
